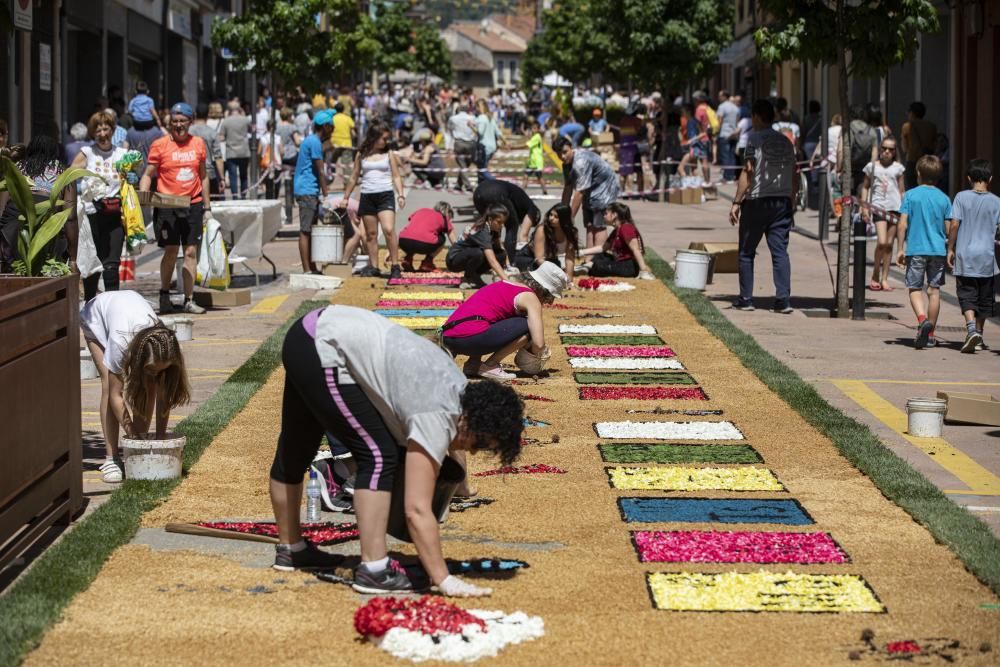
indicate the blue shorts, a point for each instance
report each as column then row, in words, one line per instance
column 917, row 266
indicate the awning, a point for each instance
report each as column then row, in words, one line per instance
column 739, row 52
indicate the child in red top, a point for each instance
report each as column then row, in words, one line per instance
column 425, row 234
column 622, row 254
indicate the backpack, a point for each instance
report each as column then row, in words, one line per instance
column 861, row 148
column 713, row 120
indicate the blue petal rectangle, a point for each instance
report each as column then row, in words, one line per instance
column 712, row 510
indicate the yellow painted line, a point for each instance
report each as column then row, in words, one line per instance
column 269, row 305
column 930, row 382
column 979, row 480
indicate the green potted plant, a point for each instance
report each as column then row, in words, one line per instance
column 40, row 356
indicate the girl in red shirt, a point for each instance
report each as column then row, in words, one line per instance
column 622, row 253
column 425, row 235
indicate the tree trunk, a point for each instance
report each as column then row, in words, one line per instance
column 844, row 237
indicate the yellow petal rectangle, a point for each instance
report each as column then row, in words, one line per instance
column 694, row 479
column 762, row 591
column 450, row 295
column 419, row 322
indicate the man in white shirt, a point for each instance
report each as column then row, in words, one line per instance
column 729, row 117
column 460, row 125
column 763, row 205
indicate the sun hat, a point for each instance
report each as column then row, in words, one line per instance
column 182, row 109
column 324, row 117
column 550, row 277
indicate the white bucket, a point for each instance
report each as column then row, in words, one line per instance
column 925, row 416
column 153, row 459
column 88, row 369
column 183, row 327
column 691, row 270
column 327, row 243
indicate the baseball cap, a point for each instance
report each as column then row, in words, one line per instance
column 182, row 109
column 324, row 117
column 551, row 277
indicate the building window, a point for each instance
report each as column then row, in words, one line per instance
column 513, row 72
column 499, row 73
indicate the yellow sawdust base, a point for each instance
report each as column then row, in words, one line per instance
column 591, row 592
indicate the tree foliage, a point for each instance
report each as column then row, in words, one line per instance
column 432, row 55
column 654, row 43
column 877, row 33
column 282, row 37
column 394, row 32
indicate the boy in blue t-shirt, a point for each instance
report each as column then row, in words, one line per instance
column 972, row 251
column 143, row 109
column 923, row 246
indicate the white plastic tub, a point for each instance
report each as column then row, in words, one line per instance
column 691, row 270
column 327, row 244
column 88, row 369
column 153, row 459
column 183, row 327
column 925, row 416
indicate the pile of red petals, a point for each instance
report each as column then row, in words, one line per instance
column 534, row 397
column 619, row 351
column 642, row 393
column 427, row 615
column 908, row 646
column 594, row 283
column 531, row 469
column 317, row 533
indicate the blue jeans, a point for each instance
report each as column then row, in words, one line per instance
column 727, row 158
column 484, row 167
column 234, row 166
column 771, row 216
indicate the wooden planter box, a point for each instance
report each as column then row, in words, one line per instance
column 41, row 477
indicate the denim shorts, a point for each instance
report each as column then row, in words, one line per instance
column 917, row 266
column 308, row 211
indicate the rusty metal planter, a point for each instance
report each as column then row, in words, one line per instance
column 41, row 476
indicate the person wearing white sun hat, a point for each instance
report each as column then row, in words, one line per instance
column 503, row 318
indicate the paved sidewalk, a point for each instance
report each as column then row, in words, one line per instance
column 867, row 369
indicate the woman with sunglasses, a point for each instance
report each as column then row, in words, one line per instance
column 881, row 196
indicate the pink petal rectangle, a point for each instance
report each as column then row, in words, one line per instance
column 694, row 546
column 423, row 303
column 619, row 351
column 642, row 393
column 425, row 281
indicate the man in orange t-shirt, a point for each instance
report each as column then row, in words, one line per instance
column 178, row 161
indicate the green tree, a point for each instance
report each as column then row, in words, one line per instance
column 876, row 34
column 576, row 42
column 432, row 55
column 395, row 35
column 282, row 38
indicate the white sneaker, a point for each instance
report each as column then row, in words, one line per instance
column 191, row 307
column 497, row 374
column 111, row 472
column 646, row 275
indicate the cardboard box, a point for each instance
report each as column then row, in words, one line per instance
column 211, row 298
column 691, row 195
column 726, row 256
column 160, row 200
column 605, row 139
column 967, row 408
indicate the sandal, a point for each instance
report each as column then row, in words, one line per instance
column 875, row 286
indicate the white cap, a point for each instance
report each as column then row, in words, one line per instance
column 551, row 277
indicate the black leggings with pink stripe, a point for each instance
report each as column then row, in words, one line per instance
column 316, row 402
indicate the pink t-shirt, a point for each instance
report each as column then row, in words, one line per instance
column 425, row 225
column 493, row 303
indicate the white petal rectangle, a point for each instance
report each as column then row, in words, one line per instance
column 669, row 430
column 626, row 363
column 607, row 329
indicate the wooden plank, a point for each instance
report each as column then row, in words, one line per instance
column 34, row 501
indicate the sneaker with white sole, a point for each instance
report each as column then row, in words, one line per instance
column 310, row 558
column 982, row 347
column 333, row 491
column 191, row 307
column 923, row 334
column 497, row 374
column 111, row 472
column 392, row 579
column 646, row 275
column 972, row 342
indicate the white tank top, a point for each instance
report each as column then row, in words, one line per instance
column 376, row 174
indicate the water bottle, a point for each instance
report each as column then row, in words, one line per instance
column 313, row 497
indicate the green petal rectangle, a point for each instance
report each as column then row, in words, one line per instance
column 639, row 453
column 633, row 378
column 616, row 339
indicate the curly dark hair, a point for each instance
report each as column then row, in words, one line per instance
column 565, row 215
column 495, row 413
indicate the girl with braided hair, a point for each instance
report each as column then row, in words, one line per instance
column 141, row 366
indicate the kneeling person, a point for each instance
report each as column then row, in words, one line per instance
column 425, row 234
column 358, row 376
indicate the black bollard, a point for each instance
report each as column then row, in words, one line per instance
column 860, row 257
